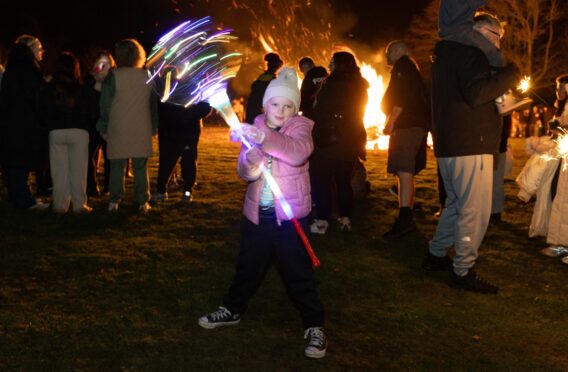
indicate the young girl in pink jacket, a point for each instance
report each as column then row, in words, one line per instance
column 282, row 141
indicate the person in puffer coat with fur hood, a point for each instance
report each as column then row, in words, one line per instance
column 282, row 143
column 546, row 175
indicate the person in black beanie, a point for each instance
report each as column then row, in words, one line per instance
column 258, row 87
column 313, row 78
column 178, row 136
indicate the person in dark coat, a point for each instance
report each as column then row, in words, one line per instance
column 24, row 140
column 104, row 62
column 314, row 76
column 339, row 139
column 178, row 136
column 254, row 102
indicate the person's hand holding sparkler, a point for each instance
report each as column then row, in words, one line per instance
column 254, row 135
column 236, row 133
column 524, row 85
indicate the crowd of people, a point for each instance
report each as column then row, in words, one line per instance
column 308, row 140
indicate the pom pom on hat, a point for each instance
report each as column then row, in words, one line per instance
column 285, row 85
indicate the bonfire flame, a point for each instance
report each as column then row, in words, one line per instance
column 374, row 118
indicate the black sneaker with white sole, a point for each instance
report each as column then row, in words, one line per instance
column 219, row 318
column 317, row 342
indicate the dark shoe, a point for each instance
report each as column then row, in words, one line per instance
column 495, row 217
column 435, row 263
column 400, row 228
column 471, row 282
column 187, row 198
column 219, row 318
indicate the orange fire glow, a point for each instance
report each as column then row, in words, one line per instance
column 374, row 118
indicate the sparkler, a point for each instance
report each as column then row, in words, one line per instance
column 525, row 84
column 190, row 64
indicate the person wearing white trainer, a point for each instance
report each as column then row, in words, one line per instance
column 339, row 140
column 282, row 143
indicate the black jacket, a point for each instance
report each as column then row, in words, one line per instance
column 23, row 140
column 407, row 90
column 464, row 115
column 179, row 124
column 254, row 102
column 339, row 131
column 310, row 86
column 79, row 115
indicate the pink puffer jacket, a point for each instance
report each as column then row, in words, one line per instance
column 290, row 148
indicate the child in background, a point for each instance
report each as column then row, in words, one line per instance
column 282, row 141
column 179, row 132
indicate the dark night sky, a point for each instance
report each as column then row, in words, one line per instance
column 80, row 24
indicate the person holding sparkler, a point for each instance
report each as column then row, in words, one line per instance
column 461, row 22
column 546, row 175
column 466, row 132
column 282, row 143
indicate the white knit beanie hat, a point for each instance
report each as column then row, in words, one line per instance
column 285, row 85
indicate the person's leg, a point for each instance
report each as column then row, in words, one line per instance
column 321, row 178
column 141, row 184
column 254, row 258
column 445, row 230
column 78, row 164
column 116, row 179
column 189, row 166
column 343, row 170
column 472, row 183
column 95, row 144
column 18, row 187
column 59, row 165
column 498, row 194
column 169, row 155
column 405, row 190
column 106, row 168
column 296, row 269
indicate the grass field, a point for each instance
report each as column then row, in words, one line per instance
column 124, row 291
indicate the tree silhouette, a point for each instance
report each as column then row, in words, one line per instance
column 534, row 39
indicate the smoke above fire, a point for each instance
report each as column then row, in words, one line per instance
column 292, row 28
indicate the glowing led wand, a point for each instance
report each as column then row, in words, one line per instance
column 222, row 104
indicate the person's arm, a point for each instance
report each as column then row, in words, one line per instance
column 391, row 120
column 108, row 91
column 477, row 84
column 293, row 147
